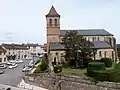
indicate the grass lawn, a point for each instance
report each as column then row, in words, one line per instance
column 113, row 66
column 75, row 72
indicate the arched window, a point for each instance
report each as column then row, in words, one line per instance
column 55, row 22
column 50, row 22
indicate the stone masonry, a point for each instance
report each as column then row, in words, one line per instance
column 54, row 82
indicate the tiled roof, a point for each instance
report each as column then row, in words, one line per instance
column 52, row 12
column 2, row 49
column 88, row 32
column 15, row 46
column 97, row 45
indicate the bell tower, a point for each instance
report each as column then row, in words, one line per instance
column 53, row 26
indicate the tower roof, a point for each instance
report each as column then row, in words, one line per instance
column 52, row 12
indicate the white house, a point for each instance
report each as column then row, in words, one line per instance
column 35, row 50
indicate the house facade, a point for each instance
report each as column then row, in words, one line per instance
column 104, row 42
column 35, row 50
column 19, row 51
column 15, row 51
column 2, row 55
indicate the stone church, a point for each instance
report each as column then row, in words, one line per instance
column 104, row 42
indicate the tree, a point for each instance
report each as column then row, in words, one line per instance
column 78, row 49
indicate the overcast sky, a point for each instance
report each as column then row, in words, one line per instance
column 23, row 21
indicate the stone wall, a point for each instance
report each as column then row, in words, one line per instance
column 53, row 82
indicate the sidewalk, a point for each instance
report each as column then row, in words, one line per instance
column 35, row 67
column 4, row 87
column 24, row 85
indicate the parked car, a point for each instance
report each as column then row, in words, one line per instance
column 41, row 56
column 3, row 66
column 13, row 66
column 27, row 69
column 1, row 71
column 12, row 61
column 28, row 58
column 19, row 61
column 31, row 63
column 9, row 63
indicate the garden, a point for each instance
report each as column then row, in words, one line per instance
column 104, row 70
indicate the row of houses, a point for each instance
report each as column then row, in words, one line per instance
column 19, row 51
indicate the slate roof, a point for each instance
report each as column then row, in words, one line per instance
column 101, row 45
column 2, row 49
column 56, row 46
column 31, row 44
column 15, row 46
column 89, row 32
column 52, row 12
column 97, row 45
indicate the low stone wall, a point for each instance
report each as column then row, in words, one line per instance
column 54, row 82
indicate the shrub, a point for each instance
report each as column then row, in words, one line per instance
column 44, row 65
column 106, row 75
column 102, row 75
column 107, row 61
column 57, row 68
column 96, row 66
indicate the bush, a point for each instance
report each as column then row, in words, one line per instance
column 107, row 61
column 57, row 68
column 44, row 65
column 96, row 66
column 105, row 75
column 102, row 75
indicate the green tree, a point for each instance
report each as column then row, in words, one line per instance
column 78, row 49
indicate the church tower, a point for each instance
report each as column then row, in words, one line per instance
column 53, row 26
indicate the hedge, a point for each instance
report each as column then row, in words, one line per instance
column 107, row 61
column 106, row 75
column 96, row 66
column 44, row 65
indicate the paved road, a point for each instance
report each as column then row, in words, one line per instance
column 13, row 76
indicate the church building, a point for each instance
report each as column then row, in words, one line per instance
column 104, row 42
